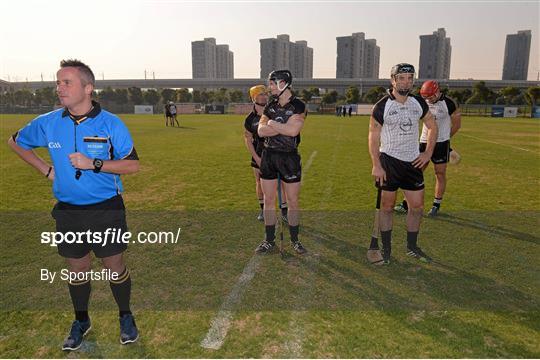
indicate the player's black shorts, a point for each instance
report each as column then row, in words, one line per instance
column 441, row 153
column 98, row 217
column 400, row 174
column 287, row 164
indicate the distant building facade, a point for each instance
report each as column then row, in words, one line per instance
column 435, row 55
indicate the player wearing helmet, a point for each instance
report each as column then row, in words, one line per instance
column 397, row 163
column 280, row 125
column 448, row 117
column 255, row 144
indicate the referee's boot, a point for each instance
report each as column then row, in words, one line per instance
column 78, row 331
column 265, row 247
column 418, row 254
column 298, row 247
column 260, row 217
column 128, row 329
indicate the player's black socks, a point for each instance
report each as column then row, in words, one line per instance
column 386, row 238
column 412, row 238
column 374, row 243
column 294, row 230
column 80, row 295
column 261, row 203
column 284, row 209
column 121, row 289
column 270, row 233
column 404, row 204
column 437, row 202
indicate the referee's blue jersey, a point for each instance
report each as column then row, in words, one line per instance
column 100, row 135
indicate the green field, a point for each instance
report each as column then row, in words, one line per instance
column 480, row 298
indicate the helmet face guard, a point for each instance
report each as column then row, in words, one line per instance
column 402, row 68
column 278, row 76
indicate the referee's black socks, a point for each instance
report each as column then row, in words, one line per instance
column 79, row 290
column 121, row 289
column 437, row 202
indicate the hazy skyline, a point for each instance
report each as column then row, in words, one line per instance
column 122, row 39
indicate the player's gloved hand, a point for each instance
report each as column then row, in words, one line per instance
column 422, row 160
column 79, row 161
column 379, row 174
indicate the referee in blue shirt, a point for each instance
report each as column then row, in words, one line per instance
column 90, row 148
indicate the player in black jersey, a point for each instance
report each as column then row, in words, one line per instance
column 280, row 125
column 255, row 144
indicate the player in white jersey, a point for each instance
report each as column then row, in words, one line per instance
column 448, row 117
column 397, row 162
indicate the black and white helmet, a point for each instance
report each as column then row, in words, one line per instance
column 402, row 68
column 281, row 75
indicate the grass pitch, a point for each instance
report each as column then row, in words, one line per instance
column 479, row 299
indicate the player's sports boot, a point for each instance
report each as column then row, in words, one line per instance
column 434, row 211
column 78, row 331
column 386, row 251
column 417, row 253
column 128, row 330
column 265, row 247
column 260, row 217
column 298, row 247
column 401, row 209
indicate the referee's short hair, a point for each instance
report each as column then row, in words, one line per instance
column 87, row 76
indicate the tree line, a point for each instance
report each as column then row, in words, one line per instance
column 478, row 94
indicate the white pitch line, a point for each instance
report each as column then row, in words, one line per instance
column 308, row 164
column 294, row 343
column 494, row 142
column 222, row 321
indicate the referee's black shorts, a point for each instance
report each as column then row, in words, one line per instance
column 287, row 164
column 108, row 214
column 400, row 174
column 441, row 152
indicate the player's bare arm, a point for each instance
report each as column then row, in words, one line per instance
column 455, row 118
column 291, row 128
column 264, row 130
column 423, row 159
column 374, row 141
column 248, row 139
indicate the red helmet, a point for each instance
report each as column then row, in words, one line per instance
column 429, row 88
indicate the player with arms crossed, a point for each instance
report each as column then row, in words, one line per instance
column 280, row 125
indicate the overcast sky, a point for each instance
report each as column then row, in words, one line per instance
column 120, row 39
